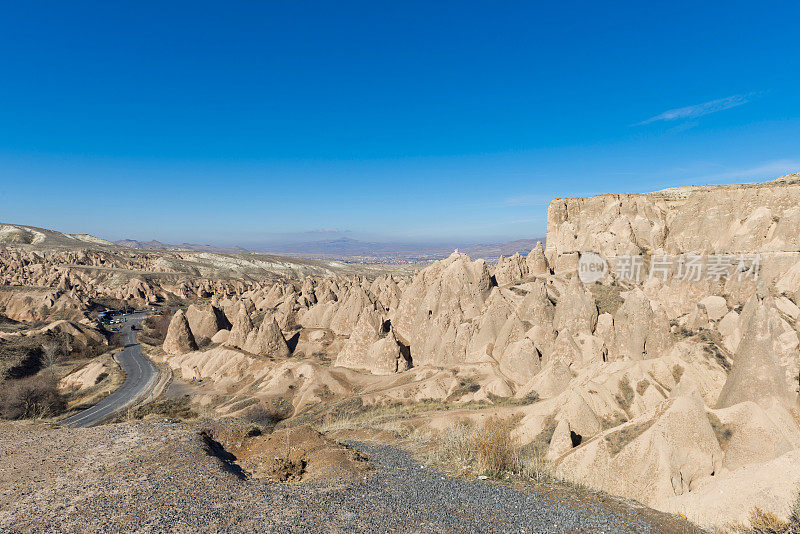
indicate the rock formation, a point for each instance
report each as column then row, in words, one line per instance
column 179, row 336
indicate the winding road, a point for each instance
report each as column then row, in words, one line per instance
column 140, row 377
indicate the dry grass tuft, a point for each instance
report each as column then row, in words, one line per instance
column 490, row 450
column 455, row 448
column 765, row 522
column 497, row 450
column 608, row 297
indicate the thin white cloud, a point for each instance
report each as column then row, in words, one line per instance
column 698, row 110
column 767, row 170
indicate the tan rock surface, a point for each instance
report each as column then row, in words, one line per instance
column 179, row 336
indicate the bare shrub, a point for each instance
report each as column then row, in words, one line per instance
column 268, row 414
column 154, row 328
column 31, row 397
column 180, row 408
column 492, row 450
column 763, row 522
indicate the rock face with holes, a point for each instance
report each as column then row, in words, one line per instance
column 673, row 448
column 697, row 384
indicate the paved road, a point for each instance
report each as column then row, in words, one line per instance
column 140, row 376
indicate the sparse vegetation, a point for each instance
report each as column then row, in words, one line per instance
column 626, row 395
column 154, row 328
column 608, row 297
column 497, row 451
column 680, row 332
column 713, row 351
column 180, row 408
column 723, row 432
column 489, row 449
column 242, row 404
column 617, row 440
column 677, row 372
column 610, row 421
column 267, row 415
column 33, row 397
column 541, row 442
column 765, row 522
column 466, row 386
column 352, row 414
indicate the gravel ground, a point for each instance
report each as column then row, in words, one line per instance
column 157, row 477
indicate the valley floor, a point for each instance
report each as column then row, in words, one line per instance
column 160, row 477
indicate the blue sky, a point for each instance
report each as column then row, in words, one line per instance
column 239, row 122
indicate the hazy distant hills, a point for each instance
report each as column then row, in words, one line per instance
column 158, row 245
column 348, row 248
column 353, row 248
column 343, row 248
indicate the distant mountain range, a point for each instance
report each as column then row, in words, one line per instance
column 341, row 248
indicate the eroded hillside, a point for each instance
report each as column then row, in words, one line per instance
column 677, row 391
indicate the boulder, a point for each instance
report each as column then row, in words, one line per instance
column 221, row 336
column 714, row 306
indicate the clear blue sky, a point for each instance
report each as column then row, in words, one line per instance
column 234, row 122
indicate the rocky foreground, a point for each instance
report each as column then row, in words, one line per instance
column 163, row 477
